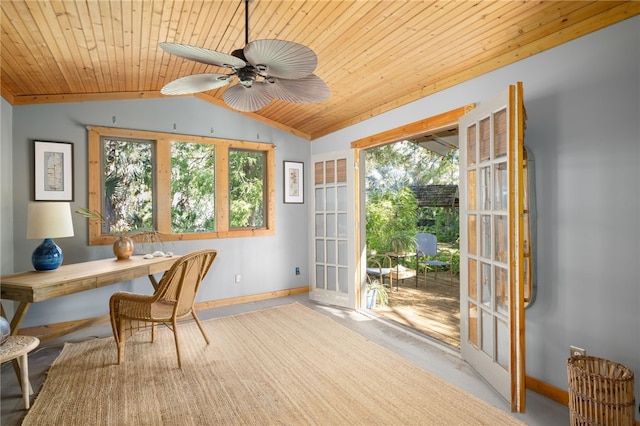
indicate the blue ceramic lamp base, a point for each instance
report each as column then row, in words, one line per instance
column 47, row 256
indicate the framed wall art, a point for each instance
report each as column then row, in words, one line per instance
column 293, row 182
column 53, row 172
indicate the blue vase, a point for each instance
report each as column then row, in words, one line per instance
column 47, row 256
column 5, row 330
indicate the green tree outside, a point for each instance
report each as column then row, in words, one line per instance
column 391, row 207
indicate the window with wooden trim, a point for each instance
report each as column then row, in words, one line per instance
column 184, row 187
column 246, row 188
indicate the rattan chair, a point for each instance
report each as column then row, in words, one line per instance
column 172, row 300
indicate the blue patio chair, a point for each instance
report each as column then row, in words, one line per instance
column 426, row 256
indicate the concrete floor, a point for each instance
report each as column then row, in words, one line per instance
column 440, row 360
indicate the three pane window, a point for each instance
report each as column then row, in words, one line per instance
column 184, row 187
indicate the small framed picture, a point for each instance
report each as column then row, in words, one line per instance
column 293, row 182
column 53, row 173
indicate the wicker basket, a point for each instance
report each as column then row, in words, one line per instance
column 600, row 392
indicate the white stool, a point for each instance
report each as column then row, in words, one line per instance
column 17, row 347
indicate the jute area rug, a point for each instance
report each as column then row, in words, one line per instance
column 286, row 365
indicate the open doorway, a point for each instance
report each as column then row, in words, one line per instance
column 411, row 187
column 495, row 239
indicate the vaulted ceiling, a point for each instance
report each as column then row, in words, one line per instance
column 374, row 55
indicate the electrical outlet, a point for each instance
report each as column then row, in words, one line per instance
column 576, row 351
column 238, row 278
column 297, row 270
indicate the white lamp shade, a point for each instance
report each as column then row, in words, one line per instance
column 49, row 220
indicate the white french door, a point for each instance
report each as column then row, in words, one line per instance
column 491, row 243
column 334, row 231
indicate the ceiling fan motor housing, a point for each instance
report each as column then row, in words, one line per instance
column 247, row 76
column 239, row 53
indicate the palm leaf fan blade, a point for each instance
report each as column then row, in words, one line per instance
column 202, row 55
column 304, row 90
column 282, row 59
column 248, row 99
column 195, row 83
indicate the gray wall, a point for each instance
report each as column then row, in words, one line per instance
column 265, row 263
column 583, row 107
column 6, row 184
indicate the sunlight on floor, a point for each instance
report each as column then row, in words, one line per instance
column 346, row 314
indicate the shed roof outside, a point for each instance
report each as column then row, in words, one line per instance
column 436, row 195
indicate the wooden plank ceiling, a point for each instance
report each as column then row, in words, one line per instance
column 373, row 55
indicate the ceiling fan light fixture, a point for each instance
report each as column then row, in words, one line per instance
column 247, row 76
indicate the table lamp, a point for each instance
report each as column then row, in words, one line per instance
column 48, row 220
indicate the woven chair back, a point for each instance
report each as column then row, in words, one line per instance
column 180, row 284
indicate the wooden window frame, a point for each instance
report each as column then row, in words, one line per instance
column 162, row 176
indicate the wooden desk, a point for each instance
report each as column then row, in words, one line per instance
column 36, row 286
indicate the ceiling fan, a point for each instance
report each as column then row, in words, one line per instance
column 266, row 69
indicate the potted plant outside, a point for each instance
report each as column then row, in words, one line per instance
column 376, row 294
column 402, row 242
